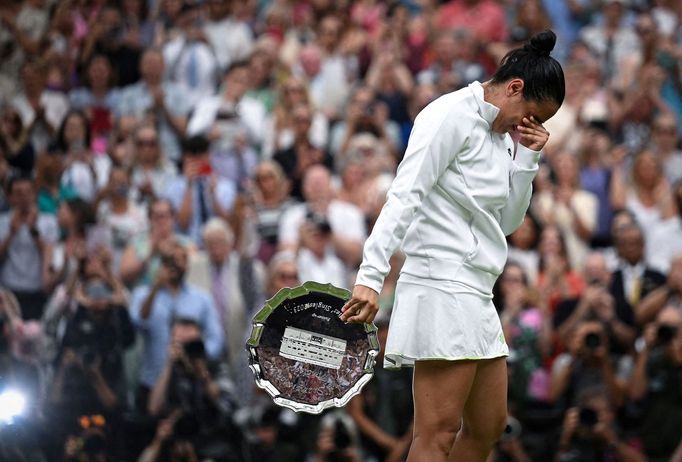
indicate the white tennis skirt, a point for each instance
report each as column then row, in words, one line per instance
column 429, row 323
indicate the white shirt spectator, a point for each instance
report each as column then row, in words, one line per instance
column 193, row 66
column 328, row 270
column 344, row 218
column 231, row 40
column 663, row 243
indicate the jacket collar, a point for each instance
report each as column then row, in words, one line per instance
column 488, row 111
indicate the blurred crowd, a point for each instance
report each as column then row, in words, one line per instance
column 168, row 165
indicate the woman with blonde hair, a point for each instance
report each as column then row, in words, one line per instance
column 279, row 132
column 270, row 199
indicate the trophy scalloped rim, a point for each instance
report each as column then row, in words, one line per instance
column 296, row 406
column 258, row 324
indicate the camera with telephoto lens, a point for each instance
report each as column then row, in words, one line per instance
column 194, row 349
column 587, row 418
column 319, row 221
column 342, row 438
column 665, row 334
column 592, row 341
column 87, row 355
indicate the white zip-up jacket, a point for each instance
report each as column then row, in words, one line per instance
column 457, row 193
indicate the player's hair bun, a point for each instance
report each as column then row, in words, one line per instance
column 542, row 43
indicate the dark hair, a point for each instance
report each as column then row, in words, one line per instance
column 61, row 142
column 542, row 75
column 234, row 65
column 84, row 214
column 19, row 177
column 195, row 145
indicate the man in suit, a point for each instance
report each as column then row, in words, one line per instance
column 236, row 284
column 633, row 279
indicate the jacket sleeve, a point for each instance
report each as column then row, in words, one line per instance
column 433, row 145
column 523, row 170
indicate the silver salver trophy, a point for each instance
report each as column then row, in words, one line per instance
column 303, row 355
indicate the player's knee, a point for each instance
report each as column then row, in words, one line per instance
column 440, row 435
column 486, row 430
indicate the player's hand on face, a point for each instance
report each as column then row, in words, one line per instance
column 362, row 306
column 533, row 134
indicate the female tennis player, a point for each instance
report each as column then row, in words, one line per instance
column 461, row 188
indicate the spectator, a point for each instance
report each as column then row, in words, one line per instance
column 585, row 364
column 656, row 384
column 15, row 143
column 199, row 194
column 345, row 221
column 595, row 177
column 26, row 240
column 570, row 208
column 235, row 282
column 191, row 385
column 97, row 98
column 119, row 214
column 84, row 171
column 154, row 307
column 364, row 115
column 668, row 294
column 662, row 243
column 589, row 432
column 230, row 38
column 528, row 332
column 141, row 258
column 302, row 154
column 165, row 100
column 51, row 191
column 337, row 440
column 23, row 27
column 330, row 87
column 282, row 130
column 383, row 413
column 602, row 300
column 89, row 376
column 41, row 110
column 523, row 247
column 557, row 281
column 611, row 40
column 151, row 171
column 665, row 138
column 454, row 65
column 190, row 61
column 270, row 201
column 633, row 280
column 282, row 272
column 220, row 117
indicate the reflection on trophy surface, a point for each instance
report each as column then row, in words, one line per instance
column 304, row 356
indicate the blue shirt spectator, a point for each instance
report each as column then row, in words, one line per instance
column 187, row 303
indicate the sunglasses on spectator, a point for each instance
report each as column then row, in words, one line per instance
column 670, row 130
column 150, row 143
column 287, row 275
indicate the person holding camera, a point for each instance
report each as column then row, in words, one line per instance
column 154, row 307
column 199, row 194
column 199, row 390
column 587, row 363
column 656, row 384
column 89, row 377
column 26, row 240
column 337, row 440
column 589, row 433
column 345, row 221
